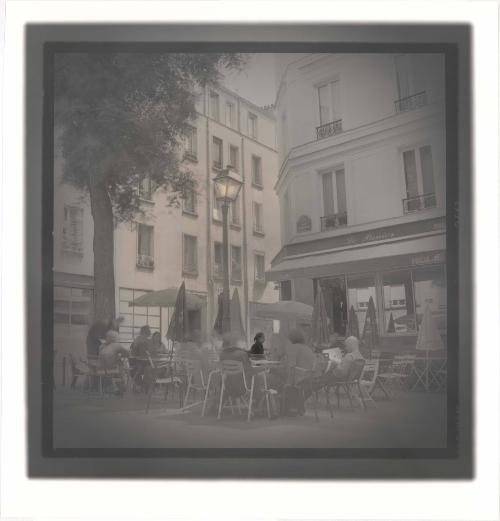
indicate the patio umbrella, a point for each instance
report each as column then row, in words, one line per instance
column 235, row 315
column 352, row 323
column 285, row 310
column 177, row 328
column 165, row 298
column 218, row 318
column 428, row 339
column 370, row 330
column 391, row 328
column 319, row 327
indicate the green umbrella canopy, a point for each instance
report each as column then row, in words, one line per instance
column 285, row 310
column 165, row 298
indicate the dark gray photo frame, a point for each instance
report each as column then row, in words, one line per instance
column 453, row 462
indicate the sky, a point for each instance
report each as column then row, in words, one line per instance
column 257, row 81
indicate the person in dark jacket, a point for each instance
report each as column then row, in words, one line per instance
column 95, row 337
column 257, row 348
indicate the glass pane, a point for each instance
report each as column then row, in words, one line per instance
column 154, row 322
column 324, row 104
column 60, row 292
column 402, row 76
column 410, row 173
column 126, row 294
column 128, row 320
column 328, row 205
column 140, row 310
column 360, row 289
column 154, row 312
column 140, row 320
column 398, row 302
column 427, row 170
column 430, row 289
column 341, row 197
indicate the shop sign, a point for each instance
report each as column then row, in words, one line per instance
column 427, row 258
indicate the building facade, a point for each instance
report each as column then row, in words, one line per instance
column 361, row 143
column 169, row 244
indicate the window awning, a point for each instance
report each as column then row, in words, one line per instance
column 364, row 259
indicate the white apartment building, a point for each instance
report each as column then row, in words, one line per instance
column 361, row 143
column 168, row 245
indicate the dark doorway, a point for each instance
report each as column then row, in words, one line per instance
column 334, row 292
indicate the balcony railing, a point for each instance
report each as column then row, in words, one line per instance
column 420, row 202
column 329, row 129
column 145, row 261
column 411, row 102
column 329, row 222
column 258, row 228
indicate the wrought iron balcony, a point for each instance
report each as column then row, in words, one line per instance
column 258, row 228
column 145, row 261
column 420, row 202
column 336, row 220
column 329, row 129
column 411, row 102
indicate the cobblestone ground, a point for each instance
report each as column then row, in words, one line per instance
column 409, row 420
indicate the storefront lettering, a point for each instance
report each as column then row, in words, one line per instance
column 429, row 258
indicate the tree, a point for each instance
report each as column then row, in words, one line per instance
column 122, row 117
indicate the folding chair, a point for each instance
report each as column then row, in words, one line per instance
column 367, row 380
column 234, row 368
column 351, row 382
column 195, row 381
column 170, row 379
column 384, row 375
column 419, row 371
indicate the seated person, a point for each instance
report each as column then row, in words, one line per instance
column 257, row 349
column 338, row 372
column 157, row 347
column 139, row 350
column 110, row 356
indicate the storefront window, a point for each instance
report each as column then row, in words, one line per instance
column 399, row 308
column 430, row 288
column 359, row 290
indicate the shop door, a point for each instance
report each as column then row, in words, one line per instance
column 334, row 292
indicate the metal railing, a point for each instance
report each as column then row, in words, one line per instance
column 329, row 129
column 412, row 102
column 420, row 202
column 258, row 228
column 145, row 261
column 329, row 222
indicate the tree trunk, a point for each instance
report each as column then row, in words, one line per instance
column 104, row 274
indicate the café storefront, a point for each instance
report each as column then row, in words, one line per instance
column 401, row 267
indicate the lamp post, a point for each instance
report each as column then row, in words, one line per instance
column 227, row 187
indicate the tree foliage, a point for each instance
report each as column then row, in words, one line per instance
column 123, row 116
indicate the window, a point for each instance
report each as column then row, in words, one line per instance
column 190, row 203
column 419, row 178
column 260, row 267
column 257, row 171
column 258, row 223
column 328, row 102
column 236, row 263
column 230, row 115
column 190, row 255
column 286, row 215
column 334, row 200
column 218, row 260
column 192, row 143
column 286, row 290
column 214, row 105
column 236, row 212
column 399, row 306
column 234, row 157
column 72, row 237
column 145, row 246
column 359, row 290
column 252, row 125
column 72, row 306
column 217, row 208
column 410, row 84
column 217, row 152
column 146, row 189
column 430, row 289
column 136, row 316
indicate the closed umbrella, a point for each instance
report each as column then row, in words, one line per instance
column 352, row 323
column 319, row 326
column 391, row 328
column 235, row 315
column 428, row 339
column 177, row 329
column 370, row 330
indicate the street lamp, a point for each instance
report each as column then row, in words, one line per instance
column 227, row 187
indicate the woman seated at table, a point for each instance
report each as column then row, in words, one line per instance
column 257, row 349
